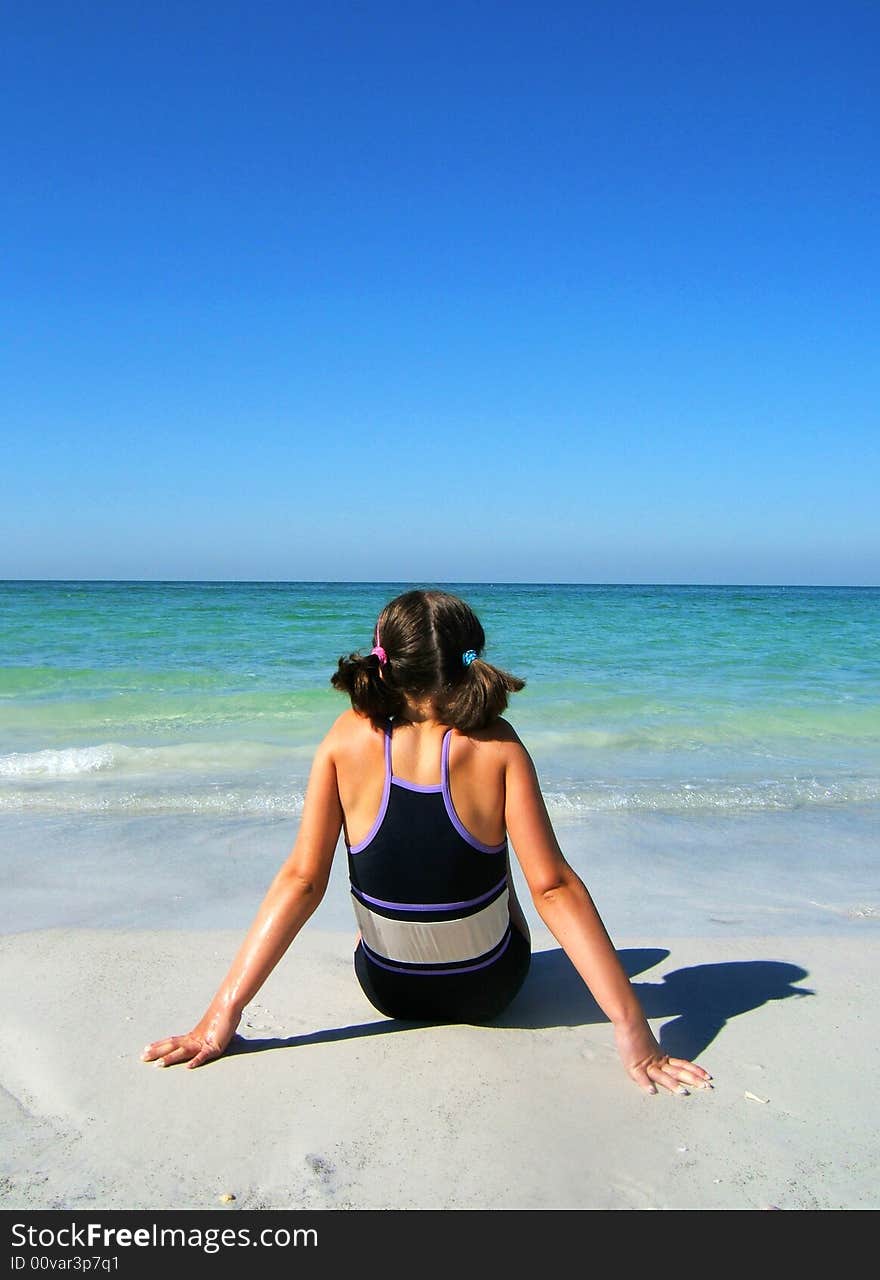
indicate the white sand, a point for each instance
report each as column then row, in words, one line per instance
column 336, row 1107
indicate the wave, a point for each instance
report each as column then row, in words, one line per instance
column 705, row 797
column 222, row 740
column 115, row 757
column 68, row 762
column 753, row 728
column 212, row 803
column 715, row 797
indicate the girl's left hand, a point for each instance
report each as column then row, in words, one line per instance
column 646, row 1063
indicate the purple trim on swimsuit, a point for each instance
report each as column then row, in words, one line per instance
column 426, row 973
column 383, row 806
column 429, row 906
column 450, row 807
column 415, row 786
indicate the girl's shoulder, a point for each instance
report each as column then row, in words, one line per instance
column 499, row 730
column 350, row 732
column 498, row 739
column 350, row 724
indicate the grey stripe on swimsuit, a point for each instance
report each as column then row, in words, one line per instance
column 434, row 941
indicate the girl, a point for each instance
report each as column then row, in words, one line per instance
column 442, row 935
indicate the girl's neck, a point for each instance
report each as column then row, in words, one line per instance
column 420, row 711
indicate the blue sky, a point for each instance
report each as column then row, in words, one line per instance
column 440, row 291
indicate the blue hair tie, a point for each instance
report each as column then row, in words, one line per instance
column 468, row 656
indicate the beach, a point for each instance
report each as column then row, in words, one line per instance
column 327, row 1105
column 709, row 758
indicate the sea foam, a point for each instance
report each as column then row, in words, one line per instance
column 67, row 762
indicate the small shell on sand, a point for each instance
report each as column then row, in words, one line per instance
column 753, row 1097
column 226, row 1198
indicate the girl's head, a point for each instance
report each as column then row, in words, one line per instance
column 430, row 644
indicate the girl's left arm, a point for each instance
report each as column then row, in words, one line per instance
column 292, row 897
column 566, row 907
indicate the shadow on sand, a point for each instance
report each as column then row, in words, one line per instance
column 699, row 1000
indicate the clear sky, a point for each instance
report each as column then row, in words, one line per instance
column 485, row 291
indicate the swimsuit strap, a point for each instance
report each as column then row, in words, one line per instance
column 444, row 761
column 388, row 729
column 386, row 793
column 450, row 806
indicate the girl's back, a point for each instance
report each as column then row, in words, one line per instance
column 476, row 765
column 442, row 935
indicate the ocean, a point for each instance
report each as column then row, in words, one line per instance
column 726, row 734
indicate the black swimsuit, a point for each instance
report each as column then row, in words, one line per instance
column 437, row 941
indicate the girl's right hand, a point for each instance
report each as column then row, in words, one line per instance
column 208, row 1040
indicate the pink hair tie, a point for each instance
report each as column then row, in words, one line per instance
column 378, row 651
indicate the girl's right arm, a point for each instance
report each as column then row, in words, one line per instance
column 293, row 895
column 565, row 906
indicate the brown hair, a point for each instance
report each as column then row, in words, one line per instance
column 426, row 635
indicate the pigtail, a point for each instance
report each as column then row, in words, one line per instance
column 479, row 696
column 429, row 647
column 371, row 695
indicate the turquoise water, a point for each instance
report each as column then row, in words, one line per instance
column 710, row 755
column 209, row 698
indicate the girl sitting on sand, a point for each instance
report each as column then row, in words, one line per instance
column 442, row 935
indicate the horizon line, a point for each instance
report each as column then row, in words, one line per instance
column 475, row 582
